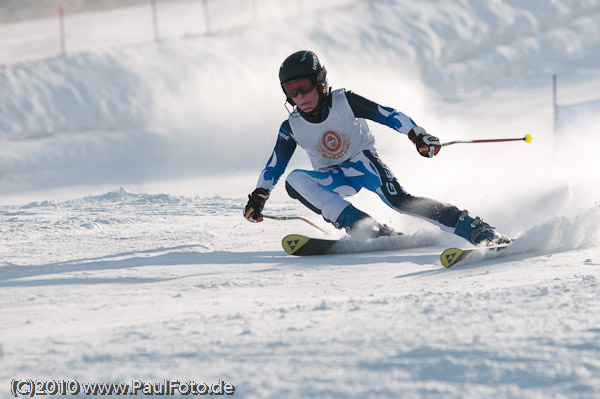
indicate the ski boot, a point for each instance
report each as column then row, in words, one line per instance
column 478, row 232
column 356, row 222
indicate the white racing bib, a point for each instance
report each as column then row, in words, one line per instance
column 337, row 139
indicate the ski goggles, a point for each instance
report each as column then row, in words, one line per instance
column 300, row 86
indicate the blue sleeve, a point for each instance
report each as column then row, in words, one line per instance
column 387, row 116
column 284, row 149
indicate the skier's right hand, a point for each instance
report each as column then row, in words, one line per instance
column 255, row 205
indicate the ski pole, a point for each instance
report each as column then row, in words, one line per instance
column 294, row 218
column 526, row 139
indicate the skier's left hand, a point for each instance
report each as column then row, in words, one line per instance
column 427, row 145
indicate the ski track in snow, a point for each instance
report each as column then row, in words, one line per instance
column 92, row 287
column 163, row 278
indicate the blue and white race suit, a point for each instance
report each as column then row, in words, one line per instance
column 342, row 152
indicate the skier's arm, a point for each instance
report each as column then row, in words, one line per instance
column 282, row 153
column 387, row 116
column 284, row 149
column 426, row 144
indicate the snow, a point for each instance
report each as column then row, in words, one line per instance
column 124, row 169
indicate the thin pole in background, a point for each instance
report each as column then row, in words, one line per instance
column 255, row 10
column 206, row 16
column 554, row 104
column 61, row 25
column 154, row 19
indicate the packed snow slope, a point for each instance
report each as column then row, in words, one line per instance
column 124, row 171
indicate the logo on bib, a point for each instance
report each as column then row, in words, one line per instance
column 333, row 144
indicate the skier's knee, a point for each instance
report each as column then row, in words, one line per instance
column 291, row 190
column 294, row 180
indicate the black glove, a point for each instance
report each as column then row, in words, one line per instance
column 256, row 203
column 427, row 145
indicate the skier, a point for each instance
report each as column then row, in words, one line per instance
column 331, row 127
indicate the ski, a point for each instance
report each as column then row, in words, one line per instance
column 452, row 256
column 299, row 245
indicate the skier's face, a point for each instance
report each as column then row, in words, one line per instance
column 303, row 92
column 307, row 102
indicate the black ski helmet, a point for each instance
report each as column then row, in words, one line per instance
column 303, row 64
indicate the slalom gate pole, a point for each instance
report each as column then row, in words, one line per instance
column 294, row 218
column 526, row 139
